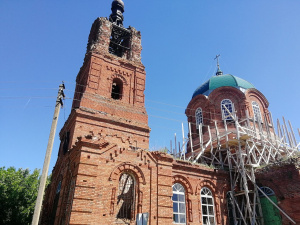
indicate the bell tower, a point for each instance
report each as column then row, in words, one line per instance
column 108, row 118
column 109, row 95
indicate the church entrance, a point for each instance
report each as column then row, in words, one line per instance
column 270, row 213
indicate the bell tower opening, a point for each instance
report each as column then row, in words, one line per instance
column 119, row 41
column 116, row 89
column 120, row 36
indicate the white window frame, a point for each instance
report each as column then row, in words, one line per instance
column 256, row 112
column 179, row 206
column 207, row 207
column 229, row 105
column 199, row 117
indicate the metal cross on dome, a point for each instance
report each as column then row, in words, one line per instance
column 217, row 58
column 219, row 72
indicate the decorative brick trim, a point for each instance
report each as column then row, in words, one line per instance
column 128, row 167
column 184, row 181
column 213, row 188
column 121, row 77
column 257, row 94
column 205, row 183
column 188, row 187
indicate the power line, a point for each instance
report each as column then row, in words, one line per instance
column 28, row 106
column 18, row 97
column 146, row 99
column 29, row 89
column 41, row 97
column 32, row 81
column 208, row 112
column 168, row 111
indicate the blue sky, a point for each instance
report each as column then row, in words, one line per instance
column 44, row 42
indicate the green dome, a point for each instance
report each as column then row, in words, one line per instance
column 222, row 81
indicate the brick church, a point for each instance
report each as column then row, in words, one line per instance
column 234, row 169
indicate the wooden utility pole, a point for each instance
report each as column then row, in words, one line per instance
column 39, row 200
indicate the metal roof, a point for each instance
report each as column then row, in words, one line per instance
column 222, row 81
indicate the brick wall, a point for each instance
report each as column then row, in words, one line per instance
column 284, row 179
column 110, row 137
column 97, row 170
column 212, row 113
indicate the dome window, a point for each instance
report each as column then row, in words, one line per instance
column 256, row 111
column 199, row 117
column 227, row 109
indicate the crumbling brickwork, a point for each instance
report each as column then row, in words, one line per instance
column 284, row 179
column 211, row 110
column 96, row 172
column 105, row 174
column 106, row 136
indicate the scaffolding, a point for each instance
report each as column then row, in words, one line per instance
column 240, row 146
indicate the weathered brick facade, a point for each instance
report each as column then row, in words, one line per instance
column 211, row 110
column 107, row 136
column 284, row 179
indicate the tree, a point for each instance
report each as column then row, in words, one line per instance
column 18, row 192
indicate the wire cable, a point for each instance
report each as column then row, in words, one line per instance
column 18, row 97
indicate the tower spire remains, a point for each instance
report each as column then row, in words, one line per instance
column 117, row 9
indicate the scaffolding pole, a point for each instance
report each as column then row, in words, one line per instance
column 242, row 145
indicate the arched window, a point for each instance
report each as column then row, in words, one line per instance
column 270, row 213
column 207, row 206
column 227, row 106
column 126, row 197
column 268, row 191
column 178, row 199
column 116, row 89
column 256, row 112
column 199, row 117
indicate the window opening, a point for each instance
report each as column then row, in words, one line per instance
column 270, row 213
column 199, row 117
column 178, row 198
column 268, row 191
column 256, row 112
column 55, row 203
column 117, row 88
column 126, row 197
column 207, row 206
column 119, row 40
column 230, row 207
column 66, row 142
column 227, row 107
